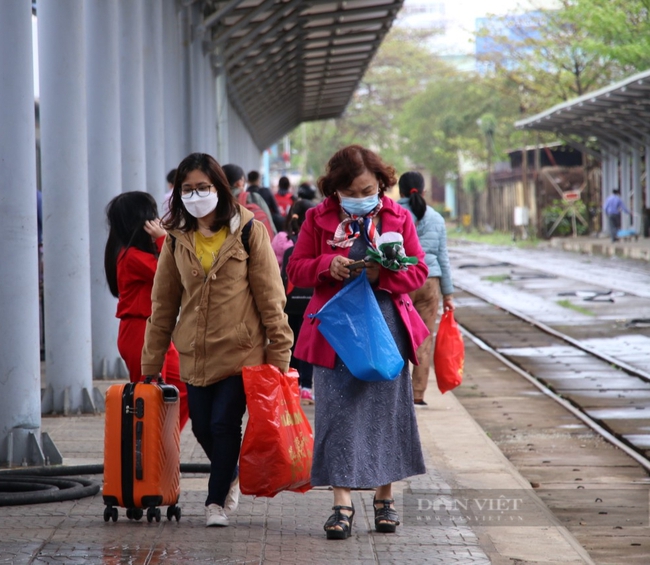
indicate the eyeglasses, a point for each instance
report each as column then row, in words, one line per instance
column 201, row 189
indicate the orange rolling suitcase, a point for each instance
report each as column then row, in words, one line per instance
column 142, row 450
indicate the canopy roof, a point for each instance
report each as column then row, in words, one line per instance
column 290, row 61
column 617, row 114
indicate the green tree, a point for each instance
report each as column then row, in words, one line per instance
column 542, row 56
column 443, row 121
column 401, row 68
column 618, row 31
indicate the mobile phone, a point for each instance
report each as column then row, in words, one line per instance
column 356, row 265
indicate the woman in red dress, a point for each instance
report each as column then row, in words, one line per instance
column 134, row 242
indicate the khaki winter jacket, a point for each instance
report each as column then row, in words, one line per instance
column 231, row 318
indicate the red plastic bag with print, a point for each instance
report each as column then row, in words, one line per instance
column 449, row 353
column 278, row 443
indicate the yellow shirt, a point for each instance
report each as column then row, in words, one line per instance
column 207, row 248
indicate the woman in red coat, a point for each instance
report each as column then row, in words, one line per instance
column 130, row 261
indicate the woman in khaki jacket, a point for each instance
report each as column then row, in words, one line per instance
column 219, row 295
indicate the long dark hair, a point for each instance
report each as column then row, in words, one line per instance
column 284, row 185
column 178, row 217
column 411, row 185
column 126, row 215
column 296, row 216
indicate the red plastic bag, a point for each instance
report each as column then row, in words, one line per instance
column 449, row 353
column 278, row 442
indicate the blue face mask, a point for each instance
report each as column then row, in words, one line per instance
column 359, row 206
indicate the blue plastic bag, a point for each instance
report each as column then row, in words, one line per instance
column 354, row 326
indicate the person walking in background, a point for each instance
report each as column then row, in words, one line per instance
column 297, row 298
column 171, row 175
column 218, row 292
column 254, row 187
column 430, row 226
column 613, row 207
column 288, row 236
column 284, row 197
column 306, row 191
column 135, row 239
column 237, row 182
column 366, row 433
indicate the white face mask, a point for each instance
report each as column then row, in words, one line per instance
column 201, row 206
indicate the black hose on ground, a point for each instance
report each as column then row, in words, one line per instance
column 31, row 485
column 25, row 489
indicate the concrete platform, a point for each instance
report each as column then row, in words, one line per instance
column 288, row 529
column 632, row 249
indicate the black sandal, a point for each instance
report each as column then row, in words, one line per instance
column 386, row 518
column 341, row 520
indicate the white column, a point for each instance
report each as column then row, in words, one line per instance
column 646, row 161
column 65, row 206
column 134, row 174
column 222, row 105
column 211, row 107
column 625, row 185
column 153, row 109
column 637, row 204
column 173, row 84
column 197, row 83
column 20, row 373
column 104, row 172
column 604, row 186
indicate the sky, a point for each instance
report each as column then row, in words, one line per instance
column 459, row 17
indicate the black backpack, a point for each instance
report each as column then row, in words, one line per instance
column 297, row 298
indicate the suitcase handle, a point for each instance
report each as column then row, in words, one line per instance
column 150, row 378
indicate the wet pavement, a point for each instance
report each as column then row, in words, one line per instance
column 287, row 529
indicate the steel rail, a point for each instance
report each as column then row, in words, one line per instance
column 582, row 416
column 629, row 369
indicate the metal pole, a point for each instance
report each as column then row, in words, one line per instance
column 211, row 106
column 606, row 163
column 134, row 174
column 20, row 372
column 222, row 113
column 66, row 254
column 625, row 185
column 186, row 92
column 153, row 109
column 104, row 172
column 636, row 207
column 173, row 83
column 197, row 82
column 646, row 162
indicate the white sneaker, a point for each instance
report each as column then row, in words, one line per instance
column 215, row 516
column 232, row 500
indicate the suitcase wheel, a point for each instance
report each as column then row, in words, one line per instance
column 134, row 513
column 153, row 512
column 174, row 511
column 110, row 513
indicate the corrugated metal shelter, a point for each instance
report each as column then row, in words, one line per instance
column 612, row 125
column 127, row 89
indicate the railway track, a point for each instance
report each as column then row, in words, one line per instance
column 578, row 330
column 609, row 395
column 557, row 375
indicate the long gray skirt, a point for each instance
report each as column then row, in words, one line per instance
column 366, row 433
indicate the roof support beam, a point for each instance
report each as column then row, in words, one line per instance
column 283, row 11
column 243, row 21
column 213, row 19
